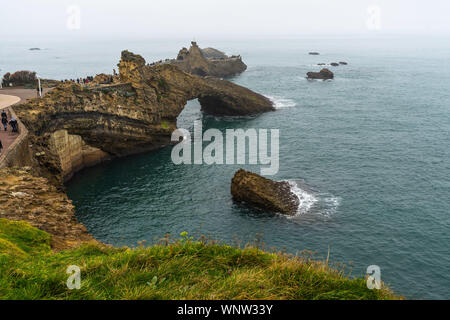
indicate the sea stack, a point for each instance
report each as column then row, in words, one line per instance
column 208, row 62
column 324, row 74
column 264, row 193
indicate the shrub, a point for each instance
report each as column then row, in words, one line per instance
column 20, row 78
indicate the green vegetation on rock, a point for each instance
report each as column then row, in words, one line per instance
column 185, row 269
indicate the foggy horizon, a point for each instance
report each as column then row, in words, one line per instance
column 206, row 19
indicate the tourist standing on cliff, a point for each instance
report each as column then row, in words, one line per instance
column 4, row 120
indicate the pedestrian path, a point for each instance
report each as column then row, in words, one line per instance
column 8, row 137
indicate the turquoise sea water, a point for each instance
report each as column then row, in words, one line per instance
column 368, row 150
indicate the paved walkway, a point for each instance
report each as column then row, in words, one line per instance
column 7, row 138
column 8, row 97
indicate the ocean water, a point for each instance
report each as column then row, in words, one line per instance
column 367, row 153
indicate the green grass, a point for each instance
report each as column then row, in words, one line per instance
column 185, row 269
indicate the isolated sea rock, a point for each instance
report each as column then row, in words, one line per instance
column 323, row 74
column 264, row 193
column 208, row 62
column 343, row 63
column 334, row 64
column 314, row 53
column 34, row 49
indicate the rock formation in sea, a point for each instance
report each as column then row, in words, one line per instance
column 323, row 74
column 264, row 193
column 208, row 62
column 314, row 53
column 343, row 63
column 334, row 64
column 74, row 126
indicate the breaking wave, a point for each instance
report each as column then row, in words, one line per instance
column 313, row 202
column 281, row 102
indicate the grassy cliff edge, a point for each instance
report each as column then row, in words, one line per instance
column 185, row 269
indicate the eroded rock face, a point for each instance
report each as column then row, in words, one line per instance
column 35, row 200
column 324, row 74
column 135, row 113
column 264, row 193
column 208, row 62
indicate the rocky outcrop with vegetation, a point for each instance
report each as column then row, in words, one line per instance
column 264, row 193
column 24, row 197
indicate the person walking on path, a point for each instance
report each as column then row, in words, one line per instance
column 13, row 124
column 4, row 120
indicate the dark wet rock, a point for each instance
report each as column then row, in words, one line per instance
column 324, row 74
column 264, row 193
column 334, row 64
column 35, row 49
column 343, row 63
column 314, row 53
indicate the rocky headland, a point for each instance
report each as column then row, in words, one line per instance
column 74, row 126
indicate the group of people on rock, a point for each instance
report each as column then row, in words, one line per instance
column 13, row 123
column 81, row 80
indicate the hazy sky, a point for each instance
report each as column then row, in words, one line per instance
column 196, row 18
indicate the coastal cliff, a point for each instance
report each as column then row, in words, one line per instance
column 24, row 197
column 74, row 126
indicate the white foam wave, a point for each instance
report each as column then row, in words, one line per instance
column 306, row 200
column 280, row 102
column 324, row 204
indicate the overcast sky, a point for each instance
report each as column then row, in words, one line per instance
column 197, row 18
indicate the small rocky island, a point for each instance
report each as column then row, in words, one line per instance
column 208, row 62
column 264, row 193
column 323, row 74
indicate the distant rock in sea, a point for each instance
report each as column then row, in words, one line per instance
column 324, row 74
column 321, row 64
column 343, row 63
column 264, row 193
column 314, row 53
column 34, row 49
column 334, row 64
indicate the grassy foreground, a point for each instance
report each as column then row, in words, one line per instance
column 185, row 269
